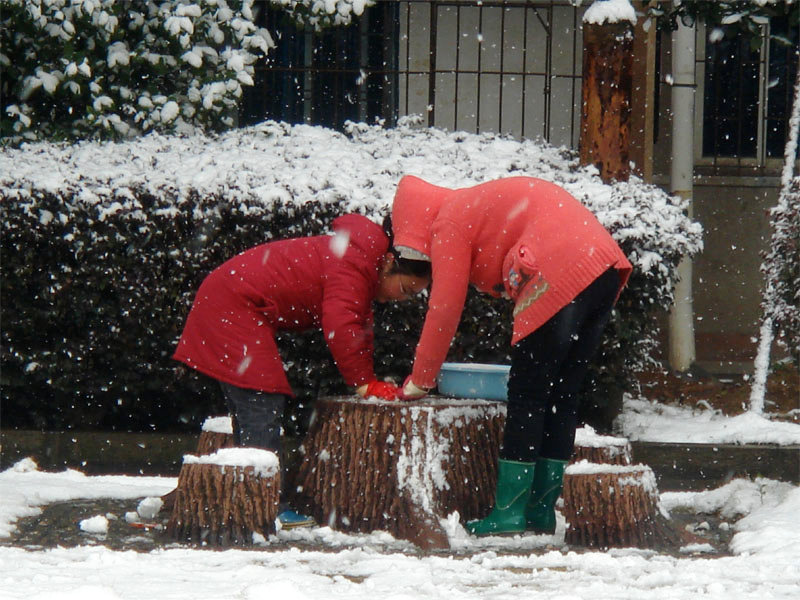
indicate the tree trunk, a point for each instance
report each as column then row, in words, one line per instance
column 606, row 90
column 399, row 466
column 218, row 504
column 613, row 506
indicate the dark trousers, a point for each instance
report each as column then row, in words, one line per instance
column 256, row 417
column 257, row 423
column 547, row 369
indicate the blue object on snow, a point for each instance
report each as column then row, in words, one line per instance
column 290, row 518
column 474, row 380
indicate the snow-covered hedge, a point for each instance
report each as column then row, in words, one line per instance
column 104, row 245
column 109, row 69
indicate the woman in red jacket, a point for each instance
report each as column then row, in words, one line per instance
column 530, row 241
column 328, row 282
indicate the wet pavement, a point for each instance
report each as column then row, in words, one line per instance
column 58, row 525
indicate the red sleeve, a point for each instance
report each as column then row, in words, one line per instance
column 451, row 261
column 347, row 318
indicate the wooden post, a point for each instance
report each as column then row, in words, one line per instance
column 226, row 498
column 399, row 466
column 606, row 92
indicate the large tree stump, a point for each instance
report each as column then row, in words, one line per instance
column 613, row 506
column 399, row 466
column 226, row 498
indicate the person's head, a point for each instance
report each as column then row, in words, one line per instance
column 400, row 278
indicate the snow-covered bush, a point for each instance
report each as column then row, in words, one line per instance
column 104, row 245
column 781, row 268
column 107, row 69
column 102, row 68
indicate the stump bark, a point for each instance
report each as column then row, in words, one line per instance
column 613, row 506
column 603, row 449
column 224, row 499
column 399, row 466
column 216, row 433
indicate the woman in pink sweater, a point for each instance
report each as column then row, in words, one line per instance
column 530, row 241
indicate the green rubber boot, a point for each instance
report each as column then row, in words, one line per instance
column 513, row 488
column 540, row 511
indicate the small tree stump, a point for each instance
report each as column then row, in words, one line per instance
column 216, row 433
column 399, row 466
column 612, row 506
column 603, row 449
column 226, row 498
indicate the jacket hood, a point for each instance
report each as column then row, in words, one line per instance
column 415, row 208
column 359, row 232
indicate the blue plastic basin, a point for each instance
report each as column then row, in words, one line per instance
column 474, row 380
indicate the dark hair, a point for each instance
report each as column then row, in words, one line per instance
column 404, row 266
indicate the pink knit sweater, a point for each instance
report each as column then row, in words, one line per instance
column 520, row 237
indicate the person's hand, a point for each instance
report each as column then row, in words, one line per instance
column 380, row 389
column 411, row 391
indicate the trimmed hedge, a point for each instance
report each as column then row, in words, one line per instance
column 97, row 276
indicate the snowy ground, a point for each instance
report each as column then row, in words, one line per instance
column 762, row 562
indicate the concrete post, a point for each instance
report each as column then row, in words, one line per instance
column 681, row 319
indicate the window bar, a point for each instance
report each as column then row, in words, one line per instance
column 763, row 96
column 548, row 70
column 574, row 137
column 407, row 74
column 457, row 69
column 308, row 77
column 363, row 75
column 502, row 79
column 479, row 75
column 432, row 65
column 524, row 69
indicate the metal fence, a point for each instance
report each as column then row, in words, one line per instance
column 503, row 66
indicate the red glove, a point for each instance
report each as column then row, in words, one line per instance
column 383, row 390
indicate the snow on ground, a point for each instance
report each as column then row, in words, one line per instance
column 651, row 421
column 767, row 548
column 763, row 513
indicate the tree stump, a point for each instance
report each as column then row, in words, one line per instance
column 399, row 466
column 612, row 506
column 216, row 433
column 226, row 498
column 603, row 449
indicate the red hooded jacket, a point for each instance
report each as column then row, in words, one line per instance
column 520, row 237
column 295, row 284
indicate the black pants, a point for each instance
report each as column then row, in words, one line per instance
column 256, row 417
column 547, row 369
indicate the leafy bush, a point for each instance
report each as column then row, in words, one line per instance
column 111, row 69
column 105, row 244
column 781, row 268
